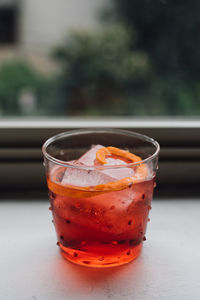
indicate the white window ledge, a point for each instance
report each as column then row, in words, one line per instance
column 32, row 267
column 111, row 122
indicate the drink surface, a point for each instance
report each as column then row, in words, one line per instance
column 99, row 227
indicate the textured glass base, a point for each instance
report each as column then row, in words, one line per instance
column 89, row 259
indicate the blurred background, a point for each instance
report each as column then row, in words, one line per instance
column 99, row 58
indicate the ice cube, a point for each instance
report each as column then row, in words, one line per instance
column 88, row 176
column 89, row 158
column 92, row 177
column 118, row 173
column 85, row 177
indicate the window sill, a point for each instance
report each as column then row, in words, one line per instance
column 32, row 267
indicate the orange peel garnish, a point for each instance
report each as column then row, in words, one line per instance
column 141, row 173
column 102, row 152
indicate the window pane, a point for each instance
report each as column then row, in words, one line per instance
column 99, row 58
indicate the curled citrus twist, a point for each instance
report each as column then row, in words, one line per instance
column 140, row 173
column 102, row 152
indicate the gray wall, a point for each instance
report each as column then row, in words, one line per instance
column 44, row 23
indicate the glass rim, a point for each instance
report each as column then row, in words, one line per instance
column 99, row 130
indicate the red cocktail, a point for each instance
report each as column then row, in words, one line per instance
column 100, row 201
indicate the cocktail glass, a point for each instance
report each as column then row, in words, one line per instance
column 100, row 198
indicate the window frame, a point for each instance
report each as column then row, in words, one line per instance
column 21, row 157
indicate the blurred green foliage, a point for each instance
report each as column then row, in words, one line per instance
column 14, row 76
column 168, row 31
column 99, row 70
column 18, row 77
